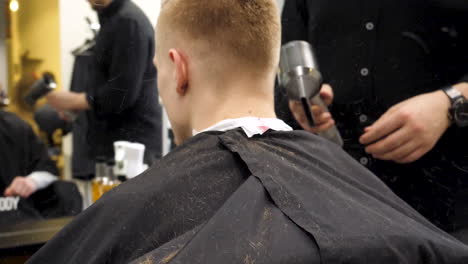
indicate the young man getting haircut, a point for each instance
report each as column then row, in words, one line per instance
column 242, row 187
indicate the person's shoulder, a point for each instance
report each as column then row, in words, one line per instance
column 132, row 14
column 200, row 160
column 196, row 148
column 152, row 203
column 290, row 147
column 14, row 121
column 10, row 116
column 195, row 158
column 294, row 140
column 301, row 138
column 198, row 153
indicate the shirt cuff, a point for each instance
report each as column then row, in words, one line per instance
column 42, row 179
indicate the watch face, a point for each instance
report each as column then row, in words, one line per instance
column 461, row 114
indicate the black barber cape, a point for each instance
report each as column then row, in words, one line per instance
column 284, row 197
column 21, row 153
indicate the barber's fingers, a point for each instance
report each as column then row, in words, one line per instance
column 316, row 110
column 400, row 152
column 322, row 127
column 326, row 93
column 323, row 120
column 319, row 114
column 391, row 142
column 387, row 124
column 297, row 111
column 417, row 154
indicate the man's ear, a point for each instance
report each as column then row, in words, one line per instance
column 181, row 75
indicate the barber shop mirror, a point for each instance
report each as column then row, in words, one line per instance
column 81, row 113
column 55, row 161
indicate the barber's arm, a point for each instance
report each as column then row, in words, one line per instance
column 68, row 101
column 410, row 129
column 41, row 168
column 121, row 91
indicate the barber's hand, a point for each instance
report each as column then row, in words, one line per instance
column 22, row 187
column 323, row 120
column 410, row 129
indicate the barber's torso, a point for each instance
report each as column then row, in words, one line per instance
column 378, row 53
column 389, row 50
column 140, row 122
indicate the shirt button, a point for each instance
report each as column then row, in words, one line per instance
column 363, row 118
column 364, row 71
column 364, row 161
column 370, row 26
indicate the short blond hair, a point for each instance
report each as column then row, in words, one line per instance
column 248, row 31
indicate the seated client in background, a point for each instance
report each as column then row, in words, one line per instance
column 25, row 168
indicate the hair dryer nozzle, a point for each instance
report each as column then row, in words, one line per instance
column 298, row 70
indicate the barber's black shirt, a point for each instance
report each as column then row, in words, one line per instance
column 376, row 54
column 124, row 98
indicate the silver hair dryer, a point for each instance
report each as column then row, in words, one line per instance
column 299, row 75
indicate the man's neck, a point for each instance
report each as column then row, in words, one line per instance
column 211, row 108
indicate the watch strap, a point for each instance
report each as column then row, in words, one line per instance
column 456, row 99
column 453, row 94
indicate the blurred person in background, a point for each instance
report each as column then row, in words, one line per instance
column 123, row 104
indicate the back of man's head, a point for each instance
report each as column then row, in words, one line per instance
column 224, row 33
column 216, row 59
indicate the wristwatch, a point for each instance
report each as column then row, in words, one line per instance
column 458, row 112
